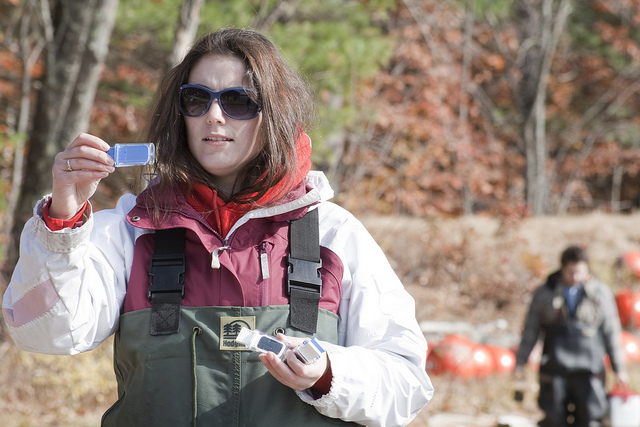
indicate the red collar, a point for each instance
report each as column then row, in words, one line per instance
column 221, row 216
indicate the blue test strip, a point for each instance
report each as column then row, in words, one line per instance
column 133, row 154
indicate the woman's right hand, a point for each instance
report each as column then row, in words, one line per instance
column 77, row 171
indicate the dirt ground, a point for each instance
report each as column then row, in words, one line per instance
column 468, row 271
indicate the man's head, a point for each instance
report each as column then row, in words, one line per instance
column 575, row 268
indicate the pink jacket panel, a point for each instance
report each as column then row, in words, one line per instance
column 252, row 269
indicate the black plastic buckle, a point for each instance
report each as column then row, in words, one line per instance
column 304, row 274
column 166, row 274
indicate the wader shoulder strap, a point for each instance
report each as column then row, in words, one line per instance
column 304, row 284
column 166, row 278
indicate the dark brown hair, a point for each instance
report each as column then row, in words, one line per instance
column 572, row 255
column 287, row 108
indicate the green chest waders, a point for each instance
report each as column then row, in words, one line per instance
column 165, row 380
column 179, row 366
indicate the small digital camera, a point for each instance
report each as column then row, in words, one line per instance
column 308, row 352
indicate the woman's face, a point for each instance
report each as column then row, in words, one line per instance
column 222, row 145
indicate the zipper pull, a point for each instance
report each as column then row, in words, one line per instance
column 264, row 261
column 215, row 258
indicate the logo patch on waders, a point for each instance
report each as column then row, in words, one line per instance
column 230, row 328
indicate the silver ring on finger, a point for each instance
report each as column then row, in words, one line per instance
column 69, row 168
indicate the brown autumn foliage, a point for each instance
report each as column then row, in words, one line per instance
column 446, row 138
column 423, row 156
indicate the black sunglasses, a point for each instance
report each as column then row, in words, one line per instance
column 235, row 102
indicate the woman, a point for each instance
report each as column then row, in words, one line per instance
column 233, row 172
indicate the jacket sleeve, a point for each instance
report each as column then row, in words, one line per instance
column 531, row 330
column 379, row 376
column 68, row 286
column 612, row 330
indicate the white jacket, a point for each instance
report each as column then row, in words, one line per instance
column 67, row 291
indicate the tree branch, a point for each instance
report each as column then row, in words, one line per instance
column 185, row 31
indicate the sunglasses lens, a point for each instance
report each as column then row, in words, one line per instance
column 194, row 101
column 238, row 105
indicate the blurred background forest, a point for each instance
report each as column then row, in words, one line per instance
column 470, row 123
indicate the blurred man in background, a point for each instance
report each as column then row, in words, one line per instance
column 576, row 316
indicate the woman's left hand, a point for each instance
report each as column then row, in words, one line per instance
column 293, row 372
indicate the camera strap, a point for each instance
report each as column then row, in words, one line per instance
column 166, row 278
column 304, row 284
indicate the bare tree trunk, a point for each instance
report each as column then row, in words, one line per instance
column 185, row 31
column 616, row 185
column 466, row 59
column 463, row 115
column 530, row 163
column 563, row 206
column 542, row 26
column 77, row 38
column 29, row 55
